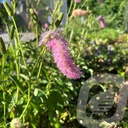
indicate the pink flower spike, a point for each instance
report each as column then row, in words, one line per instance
column 36, row 11
column 102, row 21
column 62, row 57
column 45, row 25
column 77, row 1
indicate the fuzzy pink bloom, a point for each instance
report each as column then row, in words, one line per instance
column 45, row 25
column 77, row 1
column 36, row 11
column 102, row 21
column 62, row 57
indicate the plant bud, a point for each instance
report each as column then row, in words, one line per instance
column 8, row 8
column 59, row 19
column 2, row 46
column 34, row 16
column 11, row 34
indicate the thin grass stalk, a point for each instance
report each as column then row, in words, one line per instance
column 28, row 101
column 69, row 18
column 38, row 74
column 37, row 31
column 3, row 85
column 38, row 59
column 18, row 41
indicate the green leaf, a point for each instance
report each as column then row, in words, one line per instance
column 55, row 100
column 18, row 83
column 35, row 106
column 125, row 124
column 24, row 76
column 36, row 92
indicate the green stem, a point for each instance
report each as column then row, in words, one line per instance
column 21, row 116
column 17, row 70
column 38, row 59
column 10, row 41
column 17, row 60
column 69, row 18
column 17, row 95
column 83, row 4
column 70, row 7
column 4, row 108
column 38, row 74
column 29, row 99
column 18, row 41
column 71, row 35
column 37, row 35
column 3, row 84
column 74, row 6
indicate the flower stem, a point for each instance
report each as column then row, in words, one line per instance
column 3, row 85
column 29, row 99
column 37, row 35
column 18, row 41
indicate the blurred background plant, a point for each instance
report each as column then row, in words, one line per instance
column 33, row 92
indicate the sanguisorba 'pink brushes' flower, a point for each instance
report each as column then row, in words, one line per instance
column 77, row 1
column 62, row 57
column 46, row 25
column 102, row 21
